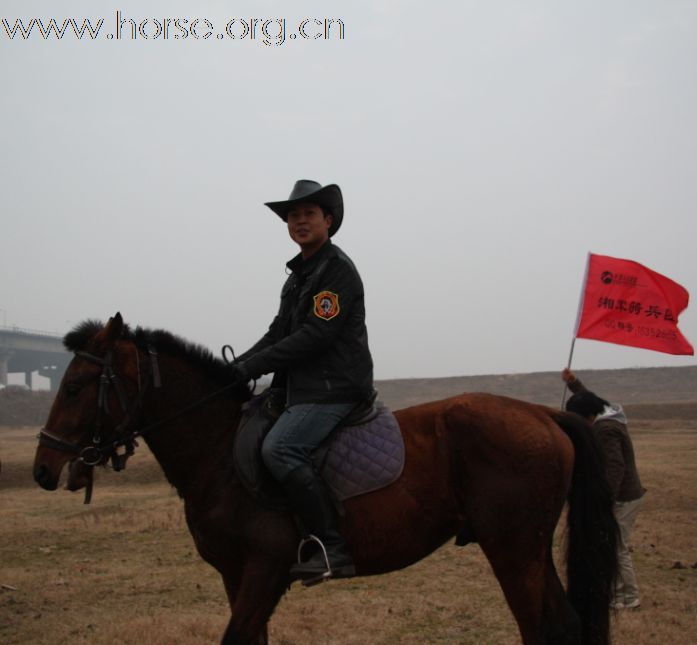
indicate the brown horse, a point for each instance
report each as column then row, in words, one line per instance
column 483, row 468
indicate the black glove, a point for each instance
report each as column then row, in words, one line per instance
column 239, row 374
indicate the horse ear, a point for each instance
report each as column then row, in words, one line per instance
column 113, row 329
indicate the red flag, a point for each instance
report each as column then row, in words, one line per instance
column 627, row 303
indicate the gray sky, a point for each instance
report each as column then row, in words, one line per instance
column 483, row 148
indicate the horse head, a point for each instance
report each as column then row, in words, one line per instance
column 95, row 404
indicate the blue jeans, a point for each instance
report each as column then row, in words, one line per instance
column 299, row 430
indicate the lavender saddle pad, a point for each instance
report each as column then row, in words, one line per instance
column 364, row 458
column 354, row 460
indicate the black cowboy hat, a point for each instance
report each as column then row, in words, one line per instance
column 308, row 191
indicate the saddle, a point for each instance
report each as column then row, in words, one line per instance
column 363, row 454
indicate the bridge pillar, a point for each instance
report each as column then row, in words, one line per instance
column 25, row 352
column 29, row 380
column 54, row 373
column 4, row 360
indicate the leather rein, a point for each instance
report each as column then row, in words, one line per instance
column 98, row 451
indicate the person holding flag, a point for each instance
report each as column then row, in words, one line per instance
column 610, row 429
column 625, row 303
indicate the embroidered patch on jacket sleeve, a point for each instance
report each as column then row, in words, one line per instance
column 326, row 305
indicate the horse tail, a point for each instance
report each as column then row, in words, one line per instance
column 592, row 534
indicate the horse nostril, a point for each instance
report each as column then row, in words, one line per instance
column 39, row 474
column 43, row 478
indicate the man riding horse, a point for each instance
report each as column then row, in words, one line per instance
column 317, row 349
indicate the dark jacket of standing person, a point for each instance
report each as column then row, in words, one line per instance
column 610, row 429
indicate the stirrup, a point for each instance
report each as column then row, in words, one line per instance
column 309, row 582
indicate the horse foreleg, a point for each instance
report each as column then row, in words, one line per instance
column 253, row 595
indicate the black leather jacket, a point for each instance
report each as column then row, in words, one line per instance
column 317, row 345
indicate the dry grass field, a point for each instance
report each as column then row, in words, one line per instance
column 124, row 569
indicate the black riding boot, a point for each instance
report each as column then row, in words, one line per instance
column 310, row 499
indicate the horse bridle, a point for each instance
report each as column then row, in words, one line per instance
column 99, row 451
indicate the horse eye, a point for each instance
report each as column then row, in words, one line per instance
column 72, row 389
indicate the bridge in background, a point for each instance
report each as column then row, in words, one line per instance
column 30, row 351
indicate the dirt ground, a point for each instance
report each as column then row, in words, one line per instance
column 124, row 569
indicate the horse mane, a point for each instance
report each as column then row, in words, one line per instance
column 165, row 342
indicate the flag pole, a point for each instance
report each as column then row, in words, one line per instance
column 578, row 322
column 568, row 366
